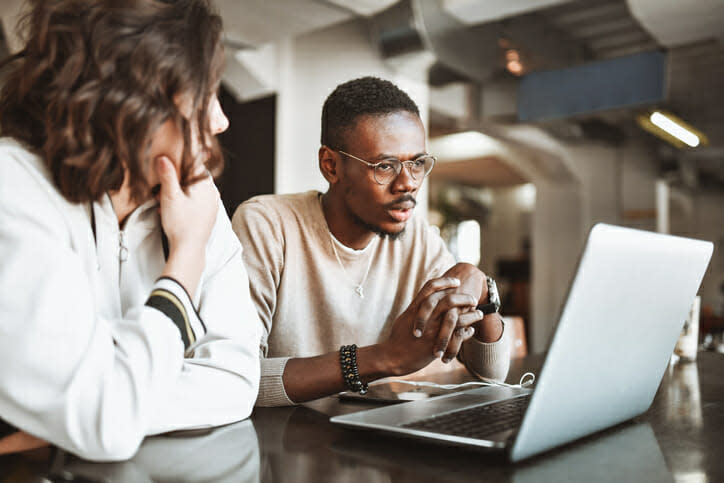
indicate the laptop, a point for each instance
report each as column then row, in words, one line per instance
column 624, row 311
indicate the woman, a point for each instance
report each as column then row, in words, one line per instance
column 122, row 314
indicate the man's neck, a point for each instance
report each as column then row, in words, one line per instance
column 343, row 227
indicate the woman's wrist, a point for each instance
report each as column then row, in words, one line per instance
column 185, row 265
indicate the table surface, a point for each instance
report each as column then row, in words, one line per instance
column 678, row 439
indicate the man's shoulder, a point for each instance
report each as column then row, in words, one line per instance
column 419, row 229
column 275, row 208
column 423, row 239
column 281, row 201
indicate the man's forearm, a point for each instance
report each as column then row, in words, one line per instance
column 308, row 378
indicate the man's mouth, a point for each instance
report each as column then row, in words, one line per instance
column 401, row 211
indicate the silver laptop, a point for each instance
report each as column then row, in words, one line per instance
column 624, row 312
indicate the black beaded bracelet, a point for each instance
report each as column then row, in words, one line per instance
column 350, row 373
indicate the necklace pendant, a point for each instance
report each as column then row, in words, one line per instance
column 360, row 291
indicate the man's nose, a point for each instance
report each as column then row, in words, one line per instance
column 404, row 180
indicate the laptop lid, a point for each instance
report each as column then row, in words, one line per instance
column 624, row 311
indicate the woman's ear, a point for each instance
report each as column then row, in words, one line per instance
column 329, row 164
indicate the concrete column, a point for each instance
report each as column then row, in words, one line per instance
column 662, row 206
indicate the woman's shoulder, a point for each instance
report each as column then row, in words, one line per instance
column 18, row 162
column 26, row 185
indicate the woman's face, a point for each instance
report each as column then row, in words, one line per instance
column 168, row 140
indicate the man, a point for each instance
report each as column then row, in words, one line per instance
column 353, row 267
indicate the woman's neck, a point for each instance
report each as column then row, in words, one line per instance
column 123, row 203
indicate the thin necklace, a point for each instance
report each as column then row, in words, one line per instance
column 359, row 289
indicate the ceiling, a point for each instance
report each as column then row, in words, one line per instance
column 486, row 171
column 469, row 39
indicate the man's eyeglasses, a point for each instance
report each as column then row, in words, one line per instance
column 387, row 170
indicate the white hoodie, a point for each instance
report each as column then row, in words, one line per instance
column 85, row 363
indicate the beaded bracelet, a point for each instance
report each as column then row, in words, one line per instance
column 350, row 373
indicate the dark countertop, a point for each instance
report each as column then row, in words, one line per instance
column 678, row 439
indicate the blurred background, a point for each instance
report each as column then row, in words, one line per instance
column 547, row 116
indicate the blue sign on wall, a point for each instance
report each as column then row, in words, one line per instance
column 628, row 81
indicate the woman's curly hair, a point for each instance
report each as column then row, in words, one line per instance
column 98, row 77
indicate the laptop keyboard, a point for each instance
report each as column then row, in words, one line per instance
column 478, row 421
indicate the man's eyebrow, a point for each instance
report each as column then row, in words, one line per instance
column 383, row 156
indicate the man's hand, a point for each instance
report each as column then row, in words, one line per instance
column 454, row 329
column 407, row 352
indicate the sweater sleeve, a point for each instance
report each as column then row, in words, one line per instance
column 438, row 258
column 488, row 360
column 220, row 377
column 261, row 235
column 69, row 376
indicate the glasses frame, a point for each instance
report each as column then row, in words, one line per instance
column 403, row 164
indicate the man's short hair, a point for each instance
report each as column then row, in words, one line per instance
column 366, row 96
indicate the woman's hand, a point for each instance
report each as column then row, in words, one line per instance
column 187, row 219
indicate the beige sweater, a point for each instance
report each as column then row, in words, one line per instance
column 307, row 302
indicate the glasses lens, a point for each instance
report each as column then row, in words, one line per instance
column 421, row 166
column 386, row 171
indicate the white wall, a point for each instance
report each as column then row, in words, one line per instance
column 310, row 67
column 701, row 215
column 558, row 236
column 602, row 184
column 612, row 185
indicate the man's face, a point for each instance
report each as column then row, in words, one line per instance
column 383, row 209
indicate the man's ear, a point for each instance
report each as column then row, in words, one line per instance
column 329, row 164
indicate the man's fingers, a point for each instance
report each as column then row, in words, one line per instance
column 460, row 335
column 453, row 321
column 425, row 301
column 469, row 318
column 437, row 284
column 450, row 300
column 447, row 327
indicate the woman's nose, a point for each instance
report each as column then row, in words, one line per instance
column 219, row 121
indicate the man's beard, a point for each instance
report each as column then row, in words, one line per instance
column 392, row 235
column 378, row 230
